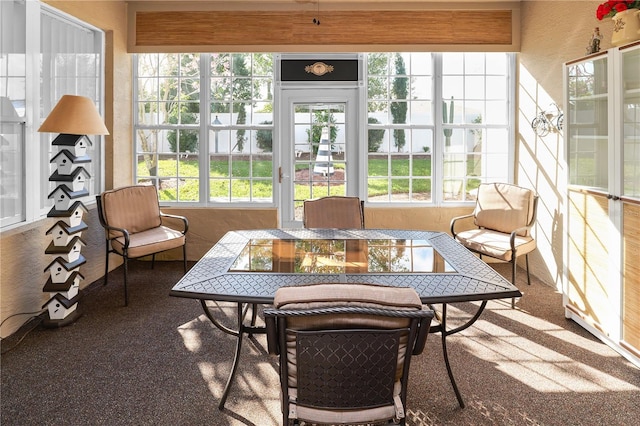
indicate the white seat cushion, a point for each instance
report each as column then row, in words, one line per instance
column 495, row 244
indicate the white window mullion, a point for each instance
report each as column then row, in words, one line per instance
column 205, row 117
column 438, row 141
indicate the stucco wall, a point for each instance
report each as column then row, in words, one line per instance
column 553, row 32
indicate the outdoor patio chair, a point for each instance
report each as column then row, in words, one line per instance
column 334, row 211
column 503, row 216
column 345, row 350
column 135, row 227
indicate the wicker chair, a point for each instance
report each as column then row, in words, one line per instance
column 504, row 216
column 345, row 351
column 334, row 212
column 134, row 227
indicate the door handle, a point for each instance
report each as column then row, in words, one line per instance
column 281, row 175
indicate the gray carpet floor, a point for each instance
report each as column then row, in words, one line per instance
column 161, row 362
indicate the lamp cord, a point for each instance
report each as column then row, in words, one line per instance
column 37, row 323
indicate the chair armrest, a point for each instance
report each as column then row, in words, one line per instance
column 272, row 335
column 455, row 219
column 123, row 231
column 514, row 234
column 423, row 332
column 185, row 221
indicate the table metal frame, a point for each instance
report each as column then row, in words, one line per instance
column 210, row 280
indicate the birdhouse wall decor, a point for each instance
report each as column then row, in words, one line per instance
column 73, row 118
column 72, row 216
column 69, row 289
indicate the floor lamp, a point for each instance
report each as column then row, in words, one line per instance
column 73, row 118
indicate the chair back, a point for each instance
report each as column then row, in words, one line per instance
column 134, row 208
column 345, row 349
column 504, row 207
column 339, row 212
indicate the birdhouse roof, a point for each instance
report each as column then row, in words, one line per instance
column 69, row 266
column 57, row 177
column 54, row 249
column 66, row 213
column 51, row 287
column 71, row 157
column 66, row 139
column 63, row 300
column 69, row 230
column 71, row 194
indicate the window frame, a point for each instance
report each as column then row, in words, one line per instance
column 208, row 130
column 436, row 126
column 37, row 146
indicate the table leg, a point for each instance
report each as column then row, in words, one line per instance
column 442, row 328
column 236, row 357
column 238, row 333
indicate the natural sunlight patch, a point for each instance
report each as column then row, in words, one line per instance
column 556, row 331
column 534, row 364
column 214, row 378
column 190, row 332
column 190, row 337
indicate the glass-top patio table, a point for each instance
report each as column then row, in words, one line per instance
column 247, row 267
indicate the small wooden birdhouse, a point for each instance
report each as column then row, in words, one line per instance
column 60, row 270
column 60, row 307
column 76, row 181
column 72, row 216
column 66, row 162
column 68, row 289
column 70, row 252
column 62, row 233
column 63, row 197
column 76, row 144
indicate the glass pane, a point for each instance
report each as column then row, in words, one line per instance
column 474, row 63
column 474, row 87
column 452, row 63
column 399, row 140
column 377, row 87
column 220, row 64
column 631, row 124
column 400, row 165
column 421, row 64
column 588, row 124
column 421, row 87
column 452, row 86
column 320, row 163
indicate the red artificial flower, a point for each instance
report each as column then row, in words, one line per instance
column 611, row 7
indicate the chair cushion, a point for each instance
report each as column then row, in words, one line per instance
column 503, row 207
column 333, row 212
column 495, row 244
column 360, row 416
column 340, row 294
column 150, row 241
column 134, row 208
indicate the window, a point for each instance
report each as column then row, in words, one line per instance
column 12, row 115
column 70, row 55
column 220, row 105
column 400, row 126
column 422, row 135
column 71, row 63
column 438, row 124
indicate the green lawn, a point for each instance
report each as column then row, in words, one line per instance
column 221, row 175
